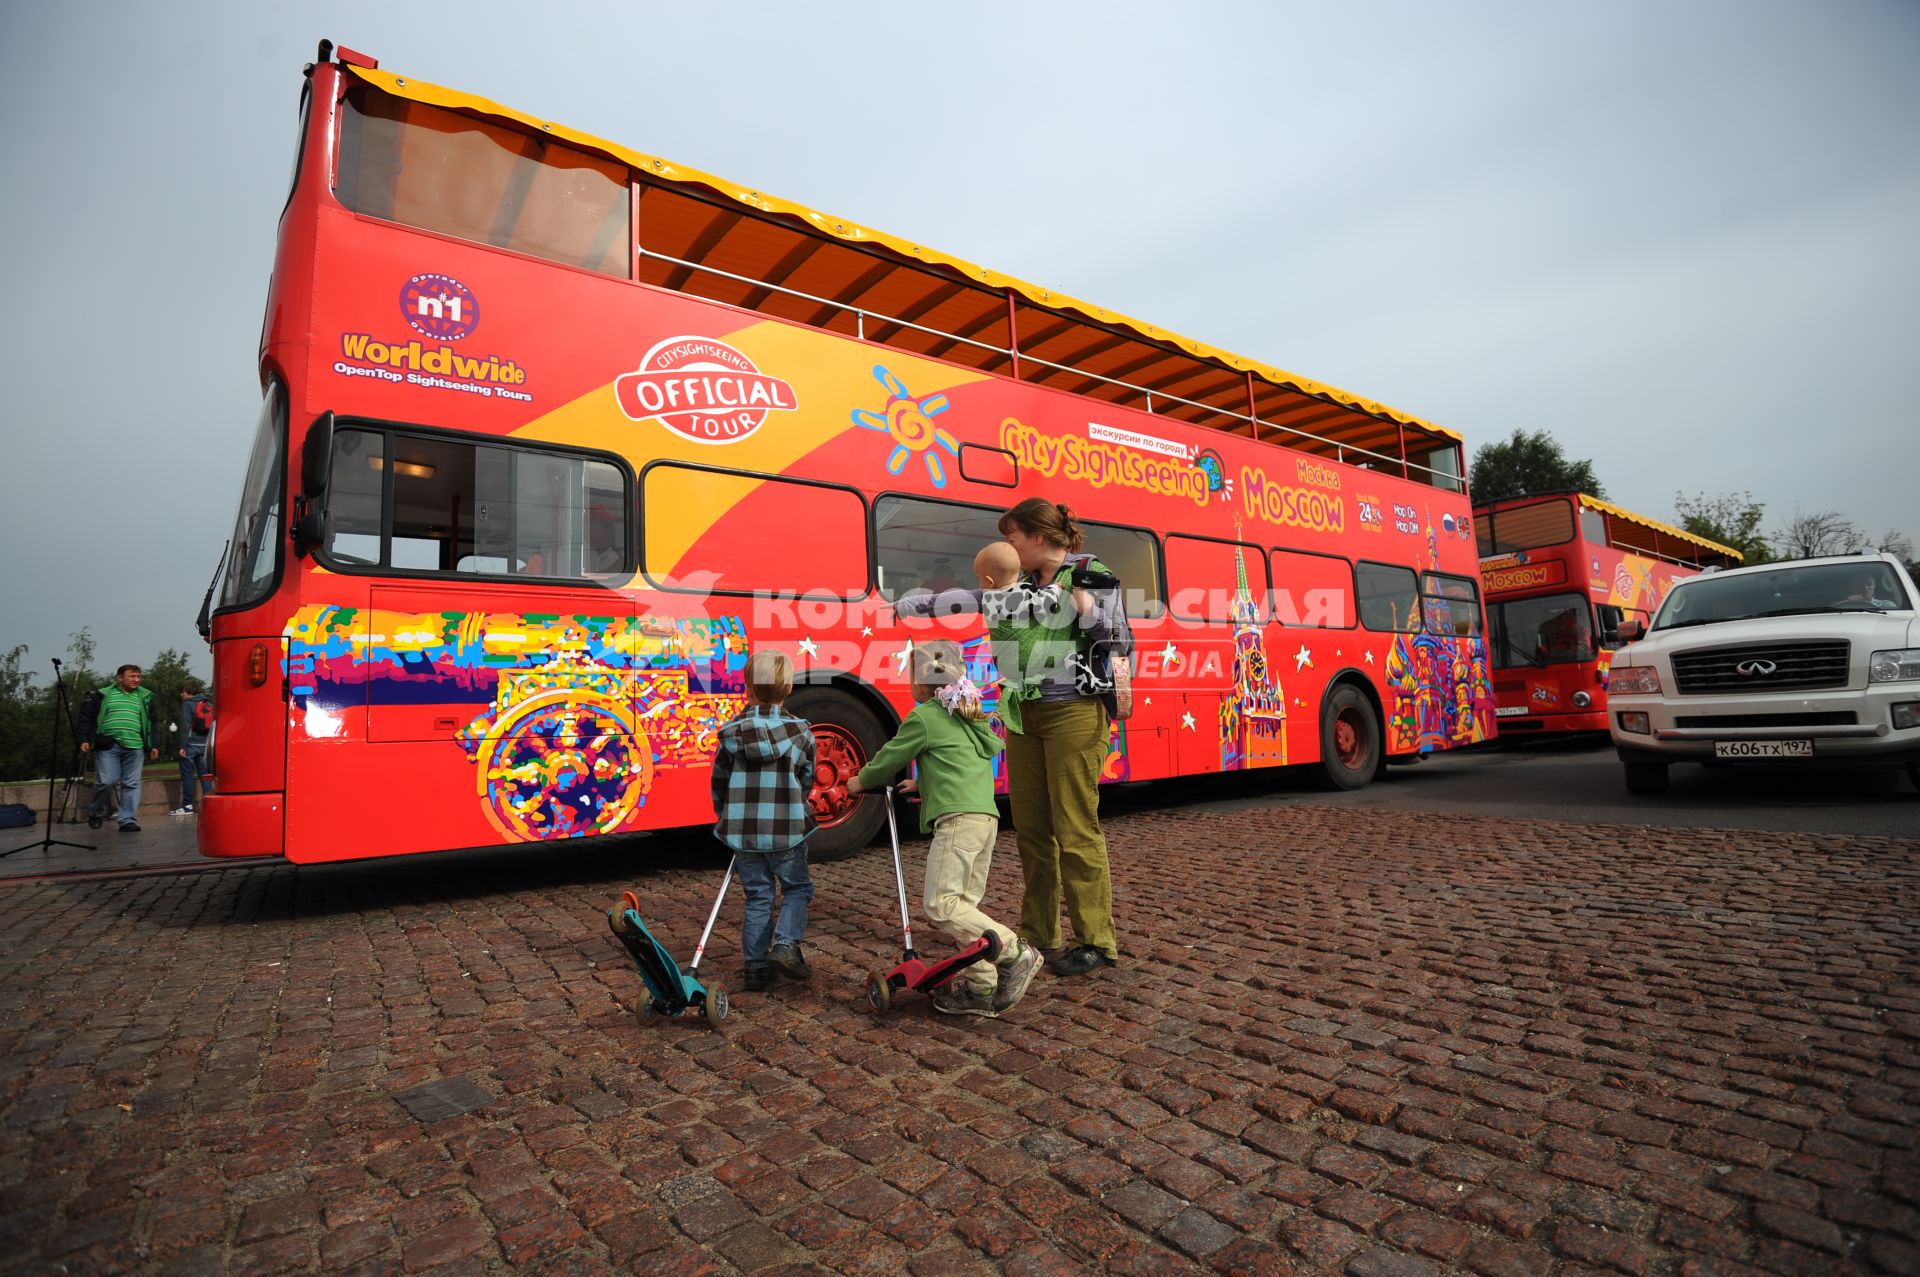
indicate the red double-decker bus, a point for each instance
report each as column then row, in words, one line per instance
column 554, row 432
column 1560, row 572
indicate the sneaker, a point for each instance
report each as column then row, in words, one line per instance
column 1015, row 976
column 754, row 979
column 131, row 827
column 960, row 999
column 181, row 811
column 1078, row 961
column 786, row 957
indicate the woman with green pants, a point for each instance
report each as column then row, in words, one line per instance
column 1057, row 738
column 1043, row 628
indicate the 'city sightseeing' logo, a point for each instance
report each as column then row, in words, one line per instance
column 702, row 389
column 439, row 306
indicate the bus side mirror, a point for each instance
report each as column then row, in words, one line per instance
column 316, row 455
column 1630, row 631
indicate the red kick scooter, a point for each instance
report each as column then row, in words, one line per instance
column 913, row 972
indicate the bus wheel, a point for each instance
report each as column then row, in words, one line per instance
column 1646, row 778
column 1349, row 739
column 846, row 736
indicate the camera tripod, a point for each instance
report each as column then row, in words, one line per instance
column 62, row 713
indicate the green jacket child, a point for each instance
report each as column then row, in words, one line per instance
column 955, row 756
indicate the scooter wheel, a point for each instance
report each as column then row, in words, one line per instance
column 716, row 1008
column 879, row 993
column 993, row 946
column 648, row 1013
column 617, row 921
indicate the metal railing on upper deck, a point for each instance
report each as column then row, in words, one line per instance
column 1441, row 479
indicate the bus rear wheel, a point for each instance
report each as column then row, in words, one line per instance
column 1349, row 739
column 846, row 735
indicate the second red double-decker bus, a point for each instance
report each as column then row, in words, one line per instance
column 554, row 432
column 1561, row 571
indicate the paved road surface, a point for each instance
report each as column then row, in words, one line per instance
column 1403, row 1044
column 1580, row 781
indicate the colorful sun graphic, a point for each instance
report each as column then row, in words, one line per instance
column 910, row 423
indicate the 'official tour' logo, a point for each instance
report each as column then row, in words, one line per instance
column 439, row 306
column 703, row 389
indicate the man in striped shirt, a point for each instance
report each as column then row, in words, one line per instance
column 120, row 727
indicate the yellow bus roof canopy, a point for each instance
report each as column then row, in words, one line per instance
column 1207, row 386
column 1616, row 513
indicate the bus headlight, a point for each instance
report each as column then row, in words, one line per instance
column 1581, row 700
column 1634, row 680
column 1896, row 666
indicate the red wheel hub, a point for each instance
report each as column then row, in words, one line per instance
column 1350, row 738
column 837, row 758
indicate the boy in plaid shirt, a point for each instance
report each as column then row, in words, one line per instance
column 762, row 774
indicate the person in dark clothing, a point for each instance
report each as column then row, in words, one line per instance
column 196, row 718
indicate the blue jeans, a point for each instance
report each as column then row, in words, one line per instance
column 759, row 870
column 118, row 768
column 193, row 774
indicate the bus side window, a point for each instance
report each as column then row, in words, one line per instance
column 354, row 482
column 928, row 546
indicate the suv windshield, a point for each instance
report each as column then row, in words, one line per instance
column 1866, row 586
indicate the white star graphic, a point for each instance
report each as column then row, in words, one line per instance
column 1168, row 654
column 1186, row 720
column 1146, row 700
column 866, row 631
column 902, row 656
column 809, row 647
column 1302, row 659
column 1369, row 657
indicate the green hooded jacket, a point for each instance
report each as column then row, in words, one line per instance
column 956, row 762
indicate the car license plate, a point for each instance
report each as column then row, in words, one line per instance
column 1763, row 749
column 1510, row 711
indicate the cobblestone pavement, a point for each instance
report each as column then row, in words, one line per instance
column 1376, row 1043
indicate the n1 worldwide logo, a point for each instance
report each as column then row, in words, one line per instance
column 702, row 389
column 439, row 306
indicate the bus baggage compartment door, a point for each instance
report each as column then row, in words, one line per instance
column 445, row 664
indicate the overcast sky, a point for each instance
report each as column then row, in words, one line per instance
column 1680, row 236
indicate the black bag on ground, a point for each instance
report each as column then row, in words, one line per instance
column 16, row 816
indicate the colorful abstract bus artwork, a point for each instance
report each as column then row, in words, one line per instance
column 1560, row 572
column 554, row 433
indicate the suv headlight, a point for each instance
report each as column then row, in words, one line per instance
column 1633, row 680
column 1899, row 665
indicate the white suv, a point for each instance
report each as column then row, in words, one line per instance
column 1813, row 658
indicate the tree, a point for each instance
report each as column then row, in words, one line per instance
column 1808, row 536
column 1528, row 462
column 164, row 678
column 1900, row 546
column 1731, row 519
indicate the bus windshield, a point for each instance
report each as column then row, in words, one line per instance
column 1530, row 527
column 255, row 556
column 1546, row 630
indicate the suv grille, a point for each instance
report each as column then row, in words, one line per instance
column 1794, row 666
